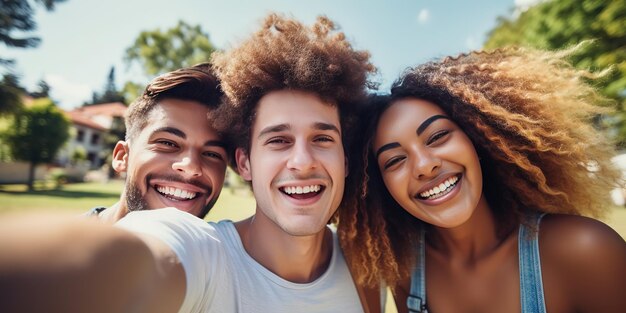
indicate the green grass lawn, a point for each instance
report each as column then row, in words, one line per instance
column 234, row 204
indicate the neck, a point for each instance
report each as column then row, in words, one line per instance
column 298, row 259
column 472, row 241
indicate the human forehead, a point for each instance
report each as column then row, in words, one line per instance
column 186, row 115
column 403, row 117
column 294, row 109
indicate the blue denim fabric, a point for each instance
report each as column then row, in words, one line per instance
column 531, row 285
column 416, row 302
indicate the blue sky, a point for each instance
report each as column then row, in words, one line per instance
column 82, row 39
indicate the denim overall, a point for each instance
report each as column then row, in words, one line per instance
column 531, row 286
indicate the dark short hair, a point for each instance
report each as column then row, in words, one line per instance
column 196, row 83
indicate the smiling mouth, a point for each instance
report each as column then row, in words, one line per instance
column 440, row 190
column 176, row 194
column 302, row 192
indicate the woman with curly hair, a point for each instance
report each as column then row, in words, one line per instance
column 479, row 172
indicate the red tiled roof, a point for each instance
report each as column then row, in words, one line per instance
column 107, row 109
column 78, row 118
column 91, row 116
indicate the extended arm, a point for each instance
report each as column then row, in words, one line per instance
column 49, row 264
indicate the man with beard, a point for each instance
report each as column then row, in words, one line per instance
column 172, row 155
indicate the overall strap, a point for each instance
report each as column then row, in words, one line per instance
column 531, row 285
column 416, row 302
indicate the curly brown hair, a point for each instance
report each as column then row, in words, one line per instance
column 285, row 54
column 530, row 116
column 195, row 83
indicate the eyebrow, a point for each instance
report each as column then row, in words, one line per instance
column 273, row 129
column 326, row 126
column 429, row 121
column 215, row 143
column 179, row 133
column 419, row 131
column 174, row 131
column 283, row 127
column 386, row 147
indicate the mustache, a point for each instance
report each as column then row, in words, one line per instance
column 179, row 179
column 292, row 177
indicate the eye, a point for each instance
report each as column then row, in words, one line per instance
column 324, row 139
column 277, row 141
column 438, row 136
column 213, row 155
column 393, row 161
column 167, row 143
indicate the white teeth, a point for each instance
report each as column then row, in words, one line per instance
column 301, row 190
column 179, row 193
column 441, row 189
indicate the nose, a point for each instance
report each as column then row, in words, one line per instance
column 301, row 158
column 188, row 164
column 425, row 164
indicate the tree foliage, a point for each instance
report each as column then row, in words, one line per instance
column 110, row 92
column 132, row 91
column 36, row 134
column 159, row 52
column 43, row 90
column 10, row 94
column 16, row 21
column 560, row 24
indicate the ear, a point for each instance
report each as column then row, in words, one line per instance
column 120, row 156
column 243, row 164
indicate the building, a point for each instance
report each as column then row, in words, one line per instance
column 90, row 126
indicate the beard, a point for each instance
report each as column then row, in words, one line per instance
column 135, row 201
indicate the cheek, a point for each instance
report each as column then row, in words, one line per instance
column 474, row 170
column 217, row 173
column 396, row 184
column 335, row 161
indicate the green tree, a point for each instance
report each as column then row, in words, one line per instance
column 559, row 24
column 10, row 94
column 16, row 24
column 43, row 90
column 36, row 134
column 110, row 92
column 132, row 91
column 16, row 21
column 159, row 52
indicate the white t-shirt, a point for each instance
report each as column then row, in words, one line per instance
column 222, row 277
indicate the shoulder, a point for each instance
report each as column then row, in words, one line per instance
column 171, row 218
column 583, row 261
column 184, row 233
column 94, row 211
column 569, row 236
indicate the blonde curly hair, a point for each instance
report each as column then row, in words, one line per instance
column 530, row 116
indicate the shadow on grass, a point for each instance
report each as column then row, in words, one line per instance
column 62, row 193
